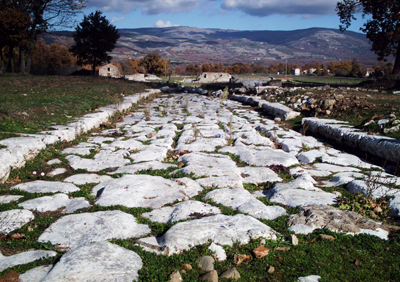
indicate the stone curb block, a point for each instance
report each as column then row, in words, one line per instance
column 24, row 148
column 274, row 109
column 383, row 147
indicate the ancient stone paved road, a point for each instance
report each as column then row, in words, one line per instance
column 222, row 146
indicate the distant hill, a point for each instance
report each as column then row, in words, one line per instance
column 188, row 44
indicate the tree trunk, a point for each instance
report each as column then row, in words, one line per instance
column 396, row 67
column 2, row 64
column 21, row 59
column 29, row 60
column 10, row 66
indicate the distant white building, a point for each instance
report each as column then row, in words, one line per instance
column 213, row 77
column 296, row 71
column 110, row 70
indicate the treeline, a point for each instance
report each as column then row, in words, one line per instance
column 47, row 58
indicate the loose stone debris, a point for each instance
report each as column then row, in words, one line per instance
column 157, row 161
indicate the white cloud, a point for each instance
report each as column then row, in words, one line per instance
column 262, row 8
column 161, row 23
column 115, row 19
column 150, row 7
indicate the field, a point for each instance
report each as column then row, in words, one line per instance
column 30, row 104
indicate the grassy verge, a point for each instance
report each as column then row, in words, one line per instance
column 29, row 104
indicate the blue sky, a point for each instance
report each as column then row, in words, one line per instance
column 221, row 14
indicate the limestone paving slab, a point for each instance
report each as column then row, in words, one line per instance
column 97, row 262
column 35, row 274
column 41, row 186
column 241, row 199
column 14, row 219
column 104, row 159
column 221, row 182
column 318, row 216
column 202, row 164
column 132, row 169
column 84, row 178
column 75, row 230
column 262, row 156
column 181, row 211
column 144, row 191
column 5, row 199
column 23, row 258
column 150, row 153
column 369, row 188
column 258, row 175
column 221, row 229
column 55, row 202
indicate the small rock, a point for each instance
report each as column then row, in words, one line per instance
column 211, row 276
column 328, row 112
column 271, row 269
column 231, row 274
column 310, row 278
column 327, row 237
column 277, row 119
column 206, row 263
column 56, row 171
column 152, row 134
column 175, row 276
column 282, row 249
column 238, row 259
column 383, row 121
column 294, row 240
column 260, row 252
column 186, row 266
column 263, row 242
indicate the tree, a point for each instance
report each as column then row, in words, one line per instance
column 43, row 15
column 382, row 27
column 154, row 63
column 13, row 31
column 94, row 37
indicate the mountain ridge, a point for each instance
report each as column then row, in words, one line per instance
column 197, row 45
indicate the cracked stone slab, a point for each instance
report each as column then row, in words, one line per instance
column 202, row 164
column 262, row 156
column 347, row 160
column 53, row 203
column 14, row 219
column 310, row 156
column 258, row 175
column 129, row 145
column 144, row 191
column 221, row 229
column 5, row 199
column 150, row 153
column 369, row 188
column 40, row 186
column 35, row 275
column 76, row 151
column 57, row 171
column 241, row 199
column 201, row 145
column 342, row 178
column 23, row 258
column 104, row 159
column 101, row 261
column 298, row 192
column 221, row 182
column 132, row 169
column 317, row 217
column 84, row 178
column 181, row 211
column 76, row 230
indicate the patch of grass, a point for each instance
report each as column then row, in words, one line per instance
column 30, row 104
column 236, row 159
